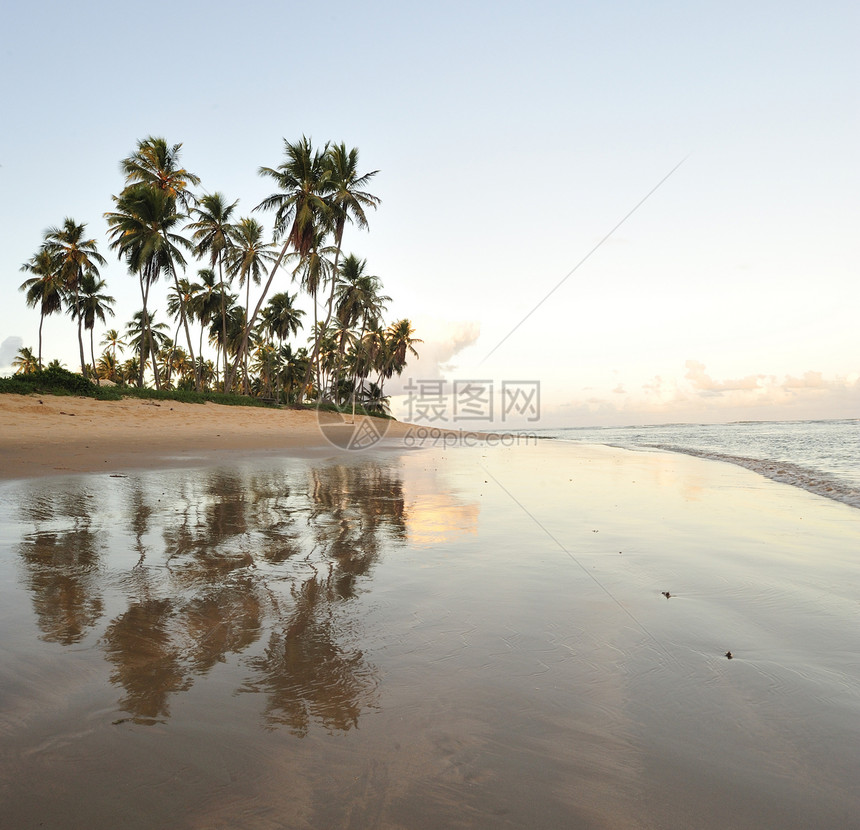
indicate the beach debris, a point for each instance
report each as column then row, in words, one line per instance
column 666, row 594
column 72, row 414
column 729, row 655
column 117, row 475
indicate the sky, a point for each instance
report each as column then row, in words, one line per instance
column 648, row 210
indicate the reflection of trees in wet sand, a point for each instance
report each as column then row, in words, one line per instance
column 243, row 555
column 306, row 675
column 159, row 645
column 62, row 565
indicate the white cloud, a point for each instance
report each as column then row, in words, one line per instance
column 8, row 349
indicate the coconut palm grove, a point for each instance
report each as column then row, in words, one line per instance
column 216, row 332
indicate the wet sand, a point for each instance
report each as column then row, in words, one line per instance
column 475, row 638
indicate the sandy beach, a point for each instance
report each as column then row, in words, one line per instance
column 50, row 435
column 469, row 637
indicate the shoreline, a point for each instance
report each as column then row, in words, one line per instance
column 56, row 435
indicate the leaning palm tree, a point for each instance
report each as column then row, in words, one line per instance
column 44, row 288
column 300, row 209
column 212, row 234
column 248, row 260
column 75, row 255
column 92, row 306
column 25, row 362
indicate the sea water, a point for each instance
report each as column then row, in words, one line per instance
column 822, row 457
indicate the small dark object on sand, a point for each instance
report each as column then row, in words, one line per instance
column 729, row 655
column 666, row 594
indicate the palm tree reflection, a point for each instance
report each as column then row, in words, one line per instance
column 61, row 564
column 257, row 569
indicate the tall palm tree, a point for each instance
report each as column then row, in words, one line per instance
column 249, row 259
column 154, row 166
column 141, row 231
column 75, row 255
column 300, row 208
column 155, row 163
column 347, row 201
column 213, row 236
column 92, row 306
column 44, row 288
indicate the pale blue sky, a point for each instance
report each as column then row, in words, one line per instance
column 510, row 140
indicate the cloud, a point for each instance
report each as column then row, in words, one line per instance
column 8, row 349
column 697, row 397
column 440, row 347
column 704, row 385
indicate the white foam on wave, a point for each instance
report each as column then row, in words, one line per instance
column 782, row 471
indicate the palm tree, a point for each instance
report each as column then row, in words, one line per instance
column 280, row 316
column 347, row 201
column 112, row 339
column 401, row 344
column 107, row 368
column 358, row 299
column 92, row 306
column 178, row 297
column 75, row 255
column 25, row 362
column 156, row 164
column 154, row 167
column 141, row 231
column 213, row 235
column 44, row 288
column 299, row 206
column 147, row 338
column 248, row 260
column 206, row 303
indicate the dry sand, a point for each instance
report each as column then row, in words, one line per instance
column 52, row 435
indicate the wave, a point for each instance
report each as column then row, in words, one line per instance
column 784, row 472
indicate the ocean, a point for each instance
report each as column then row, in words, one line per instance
column 822, row 457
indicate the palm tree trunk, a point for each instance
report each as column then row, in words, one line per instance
column 93, row 358
column 41, row 321
column 80, row 335
column 247, row 309
column 244, row 344
column 146, row 337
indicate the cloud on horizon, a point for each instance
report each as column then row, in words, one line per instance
column 699, row 397
column 8, row 349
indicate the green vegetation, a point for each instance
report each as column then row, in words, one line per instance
column 59, row 381
column 160, row 229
